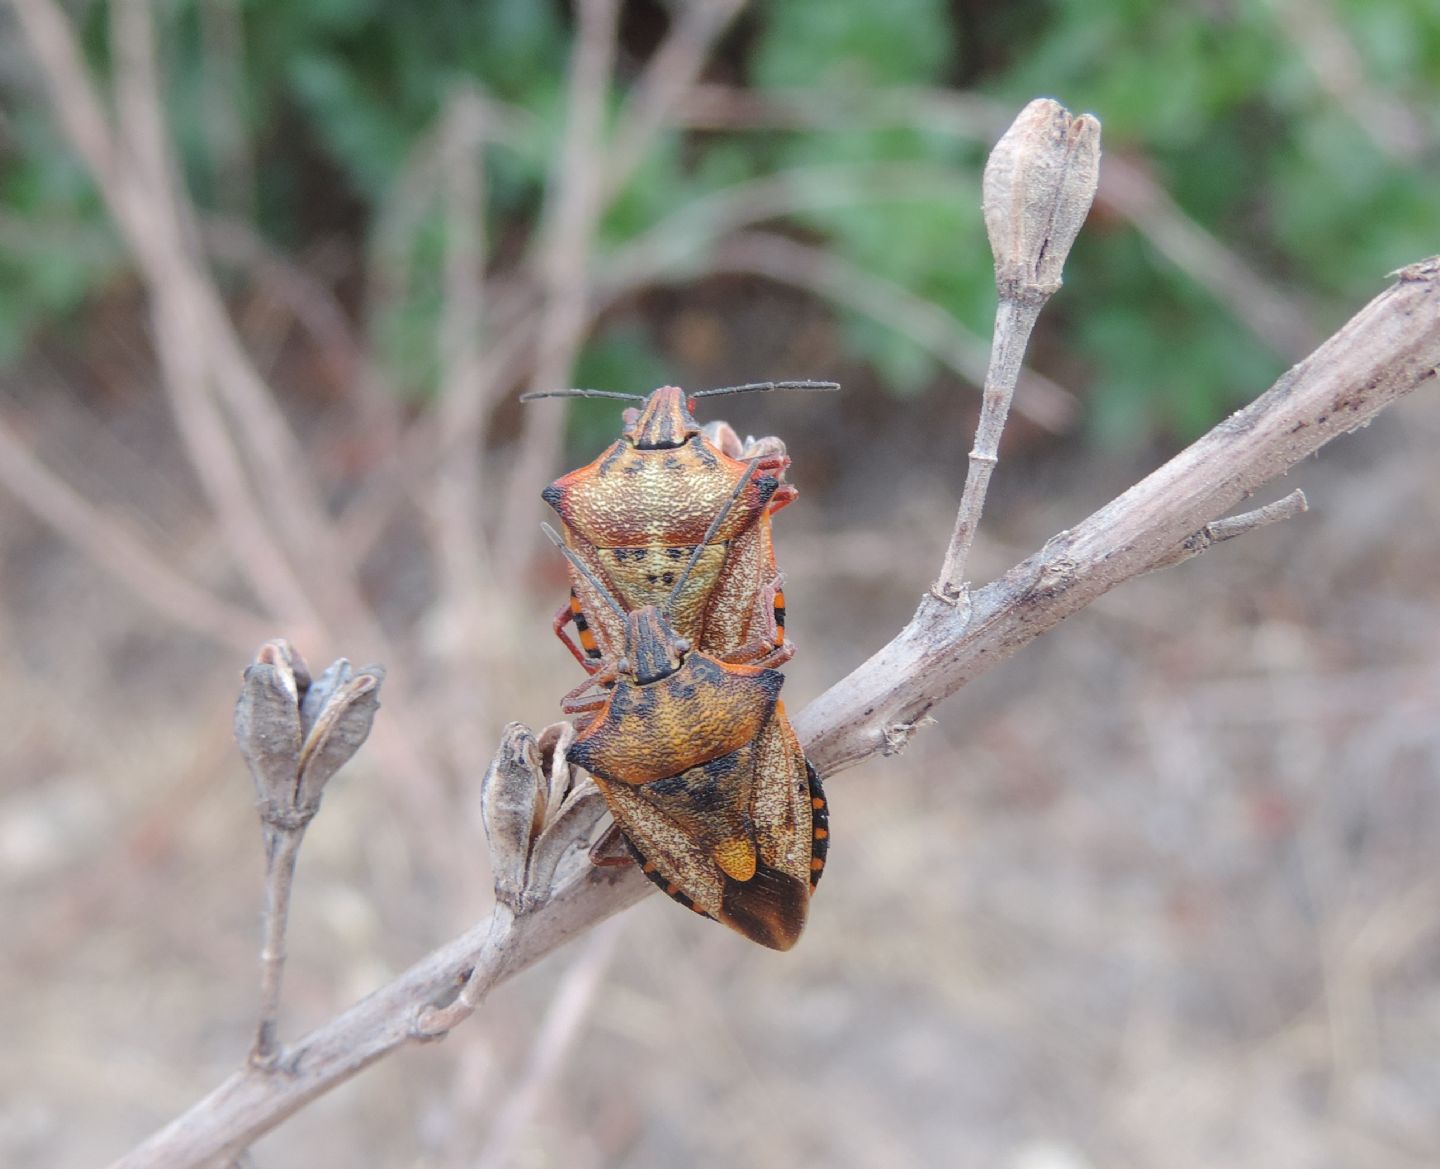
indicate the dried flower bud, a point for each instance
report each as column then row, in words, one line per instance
column 535, row 812
column 512, row 807
column 554, row 744
column 1037, row 191
column 295, row 734
column 336, row 713
column 567, row 836
column 267, row 726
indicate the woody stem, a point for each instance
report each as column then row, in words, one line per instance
column 1014, row 319
column 282, row 848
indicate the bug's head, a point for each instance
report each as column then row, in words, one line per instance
column 664, row 422
column 652, row 649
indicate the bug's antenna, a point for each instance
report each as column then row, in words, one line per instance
column 584, row 570
column 710, row 532
column 533, row 394
column 767, row 388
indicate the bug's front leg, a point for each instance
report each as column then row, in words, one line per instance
column 611, row 851
column 581, row 701
column 772, row 650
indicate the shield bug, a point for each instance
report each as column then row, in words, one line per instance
column 702, row 772
column 640, row 511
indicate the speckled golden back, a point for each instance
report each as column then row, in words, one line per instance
column 635, row 514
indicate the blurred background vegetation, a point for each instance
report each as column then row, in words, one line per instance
column 1159, row 893
column 1299, row 134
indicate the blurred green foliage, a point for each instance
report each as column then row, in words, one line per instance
column 302, row 117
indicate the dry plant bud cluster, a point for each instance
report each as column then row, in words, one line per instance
column 295, row 733
column 536, row 808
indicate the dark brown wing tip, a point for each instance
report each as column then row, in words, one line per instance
column 770, row 908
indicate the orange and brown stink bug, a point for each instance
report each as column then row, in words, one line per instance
column 637, row 513
column 703, row 773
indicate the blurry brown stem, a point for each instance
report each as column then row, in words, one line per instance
column 134, row 207
column 313, row 305
column 670, row 74
column 282, row 848
column 566, row 241
column 1273, row 315
column 204, row 363
column 566, row 1015
column 706, row 236
column 104, row 539
column 1276, row 315
column 465, row 585
column 1316, row 29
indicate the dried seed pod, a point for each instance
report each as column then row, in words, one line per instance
column 512, row 807
column 567, row 833
column 337, row 713
column 268, row 727
column 1038, row 187
column 295, row 734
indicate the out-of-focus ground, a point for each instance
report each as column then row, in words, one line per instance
column 1160, row 893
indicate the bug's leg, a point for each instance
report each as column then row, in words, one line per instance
column 759, row 652
column 784, row 495
column 587, row 653
column 773, row 650
column 581, row 701
column 611, row 850
column 584, row 705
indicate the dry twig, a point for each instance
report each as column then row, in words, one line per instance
column 1038, row 186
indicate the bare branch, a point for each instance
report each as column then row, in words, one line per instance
column 1388, row 349
column 1227, row 529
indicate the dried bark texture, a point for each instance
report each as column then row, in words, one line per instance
column 1388, row 349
